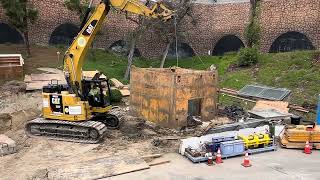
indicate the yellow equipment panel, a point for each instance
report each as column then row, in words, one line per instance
column 66, row 107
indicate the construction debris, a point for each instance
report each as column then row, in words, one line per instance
column 234, row 94
column 269, row 114
column 235, row 112
column 7, row 145
column 250, row 123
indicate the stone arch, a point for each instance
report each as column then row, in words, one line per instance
column 64, row 34
column 184, row 50
column 291, row 41
column 122, row 47
column 228, row 43
column 9, row 35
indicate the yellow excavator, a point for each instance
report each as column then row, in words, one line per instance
column 81, row 110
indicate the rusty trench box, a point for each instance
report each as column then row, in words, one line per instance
column 167, row 96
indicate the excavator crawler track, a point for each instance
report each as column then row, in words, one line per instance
column 89, row 132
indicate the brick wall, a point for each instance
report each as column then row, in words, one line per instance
column 214, row 22
column 281, row 16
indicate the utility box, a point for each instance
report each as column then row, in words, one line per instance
column 168, row 96
column 11, row 67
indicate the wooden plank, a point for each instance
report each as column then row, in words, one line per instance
column 124, row 92
column 50, row 70
column 47, row 77
column 31, row 86
column 152, row 156
column 99, row 168
column 158, row 162
column 117, row 83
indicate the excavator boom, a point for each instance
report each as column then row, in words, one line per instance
column 74, row 56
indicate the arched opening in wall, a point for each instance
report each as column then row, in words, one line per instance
column 64, row 34
column 229, row 43
column 122, row 47
column 9, row 35
column 291, row 41
column 184, row 51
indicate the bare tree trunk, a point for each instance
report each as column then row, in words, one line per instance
column 130, row 57
column 27, row 43
column 164, row 57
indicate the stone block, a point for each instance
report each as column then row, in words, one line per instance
column 7, row 145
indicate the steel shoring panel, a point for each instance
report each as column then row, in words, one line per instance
column 264, row 92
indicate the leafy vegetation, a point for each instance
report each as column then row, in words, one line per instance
column 248, row 57
column 116, row 95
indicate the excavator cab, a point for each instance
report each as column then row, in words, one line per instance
column 93, row 92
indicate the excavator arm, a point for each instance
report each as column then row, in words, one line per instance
column 75, row 55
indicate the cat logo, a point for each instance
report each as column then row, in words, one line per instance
column 90, row 28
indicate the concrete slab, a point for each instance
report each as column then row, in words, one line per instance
column 283, row 164
column 7, row 145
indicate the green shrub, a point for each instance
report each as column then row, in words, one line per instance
column 248, row 57
column 116, row 95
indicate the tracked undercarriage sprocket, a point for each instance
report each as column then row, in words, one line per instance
column 82, row 132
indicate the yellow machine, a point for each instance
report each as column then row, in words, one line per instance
column 256, row 140
column 80, row 110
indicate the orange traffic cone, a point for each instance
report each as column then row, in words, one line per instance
column 210, row 161
column 218, row 157
column 246, row 161
column 307, row 148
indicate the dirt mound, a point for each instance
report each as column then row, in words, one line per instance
column 14, row 87
column 5, row 122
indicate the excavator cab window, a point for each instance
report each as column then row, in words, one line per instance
column 97, row 92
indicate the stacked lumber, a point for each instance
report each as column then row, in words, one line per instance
column 296, row 137
column 301, row 134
